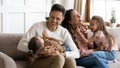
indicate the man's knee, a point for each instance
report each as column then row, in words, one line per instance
column 58, row 61
column 70, row 59
column 70, row 62
column 59, row 58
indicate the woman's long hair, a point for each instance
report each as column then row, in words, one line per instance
column 66, row 24
column 102, row 27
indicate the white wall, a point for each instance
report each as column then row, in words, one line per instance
column 17, row 16
column 103, row 8
column 68, row 4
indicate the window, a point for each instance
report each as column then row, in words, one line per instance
column 104, row 9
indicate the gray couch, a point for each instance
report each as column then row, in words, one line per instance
column 10, row 57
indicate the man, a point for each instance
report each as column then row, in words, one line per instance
column 53, row 28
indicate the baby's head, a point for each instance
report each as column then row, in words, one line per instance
column 35, row 43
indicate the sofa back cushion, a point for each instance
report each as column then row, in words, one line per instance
column 8, row 45
column 115, row 32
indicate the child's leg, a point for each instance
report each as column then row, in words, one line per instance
column 105, row 55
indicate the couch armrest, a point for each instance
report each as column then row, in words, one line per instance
column 6, row 61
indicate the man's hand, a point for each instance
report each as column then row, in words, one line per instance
column 45, row 34
column 47, row 51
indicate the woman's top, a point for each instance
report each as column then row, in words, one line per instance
column 82, row 46
column 60, row 34
column 101, row 39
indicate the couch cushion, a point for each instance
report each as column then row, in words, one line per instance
column 21, row 64
column 115, row 32
column 6, row 61
column 118, row 56
column 8, row 45
column 80, row 67
column 115, row 65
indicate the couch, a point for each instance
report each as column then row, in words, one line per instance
column 10, row 57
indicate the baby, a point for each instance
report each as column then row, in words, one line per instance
column 37, row 45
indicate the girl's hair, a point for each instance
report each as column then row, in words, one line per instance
column 102, row 27
column 66, row 20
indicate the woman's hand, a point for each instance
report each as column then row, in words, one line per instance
column 78, row 30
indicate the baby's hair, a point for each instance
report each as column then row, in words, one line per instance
column 102, row 27
column 34, row 44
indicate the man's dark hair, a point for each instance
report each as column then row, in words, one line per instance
column 58, row 7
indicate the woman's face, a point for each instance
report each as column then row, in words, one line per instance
column 93, row 25
column 75, row 17
column 55, row 19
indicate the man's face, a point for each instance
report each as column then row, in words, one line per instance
column 55, row 18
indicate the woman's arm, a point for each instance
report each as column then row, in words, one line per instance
column 88, row 41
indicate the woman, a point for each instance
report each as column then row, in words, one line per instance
column 89, row 58
column 73, row 22
column 53, row 28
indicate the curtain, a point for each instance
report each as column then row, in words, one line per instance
column 83, row 7
column 78, row 6
column 87, row 11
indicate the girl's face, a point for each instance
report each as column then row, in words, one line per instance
column 75, row 17
column 93, row 25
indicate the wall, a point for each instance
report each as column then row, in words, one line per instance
column 68, row 4
column 17, row 16
column 103, row 8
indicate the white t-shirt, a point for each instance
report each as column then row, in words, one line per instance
column 60, row 34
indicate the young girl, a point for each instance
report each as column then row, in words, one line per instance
column 104, row 44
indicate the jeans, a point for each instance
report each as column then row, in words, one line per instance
column 67, row 48
column 98, row 59
column 105, row 55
